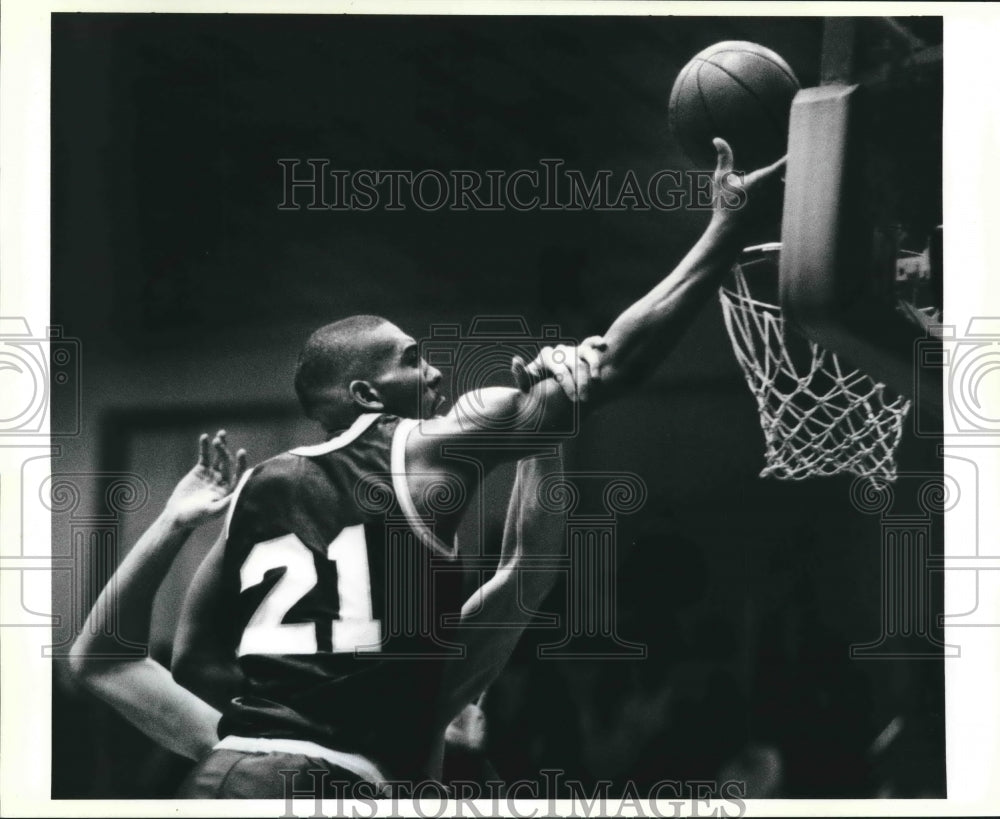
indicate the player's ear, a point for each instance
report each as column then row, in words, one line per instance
column 365, row 395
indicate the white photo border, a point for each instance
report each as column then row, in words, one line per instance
column 971, row 178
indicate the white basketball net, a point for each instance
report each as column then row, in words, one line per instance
column 819, row 417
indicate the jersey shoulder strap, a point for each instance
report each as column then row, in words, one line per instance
column 348, row 436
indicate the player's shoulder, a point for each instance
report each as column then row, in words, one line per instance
column 278, row 468
column 273, row 478
column 292, row 467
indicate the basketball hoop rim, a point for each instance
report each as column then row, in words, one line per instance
column 762, row 249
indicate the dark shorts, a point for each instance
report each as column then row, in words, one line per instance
column 228, row 774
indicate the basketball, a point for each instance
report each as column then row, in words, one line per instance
column 739, row 91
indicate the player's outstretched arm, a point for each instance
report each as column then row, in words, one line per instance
column 637, row 341
column 141, row 689
column 640, row 338
column 633, row 347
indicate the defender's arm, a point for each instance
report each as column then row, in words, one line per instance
column 141, row 689
column 203, row 658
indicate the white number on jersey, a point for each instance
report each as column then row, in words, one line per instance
column 353, row 630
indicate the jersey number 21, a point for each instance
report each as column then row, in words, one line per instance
column 353, row 630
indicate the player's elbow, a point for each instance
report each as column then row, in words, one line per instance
column 82, row 668
column 545, row 410
column 98, row 676
column 77, row 666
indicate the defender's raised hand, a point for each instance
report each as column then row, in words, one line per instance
column 139, row 687
column 205, row 491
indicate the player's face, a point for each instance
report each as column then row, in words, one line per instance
column 408, row 384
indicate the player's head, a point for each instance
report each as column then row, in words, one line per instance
column 364, row 364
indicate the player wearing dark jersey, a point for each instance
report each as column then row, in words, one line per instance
column 366, row 365
column 347, row 371
column 141, row 690
column 335, row 573
column 339, row 587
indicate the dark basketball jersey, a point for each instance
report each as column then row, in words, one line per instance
column 341, row 590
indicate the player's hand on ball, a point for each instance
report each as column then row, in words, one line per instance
column 575, row 369
column 205, row 491
column 748, row 205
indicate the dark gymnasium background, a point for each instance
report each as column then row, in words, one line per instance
column 190, row 294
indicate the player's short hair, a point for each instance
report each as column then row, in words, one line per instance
column 332, row 357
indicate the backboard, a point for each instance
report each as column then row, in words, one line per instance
column 860, row 265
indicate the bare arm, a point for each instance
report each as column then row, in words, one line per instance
column 508, row 599
column 203, row 658
column 637, row 341
column 141, row 689
column 642, row 336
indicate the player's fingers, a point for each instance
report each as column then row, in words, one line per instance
column 223, row 460
column 775, row 166
column 520, row 372
column 726, row 180
column 583, row 374
column 724, row 157
column 774, row 171
column 218, row 451
column 590, row 351
column 547, row 363
column 203, row 450
column 584, row 377
column 536, row 367
column 561, row 362
column 591, row 362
